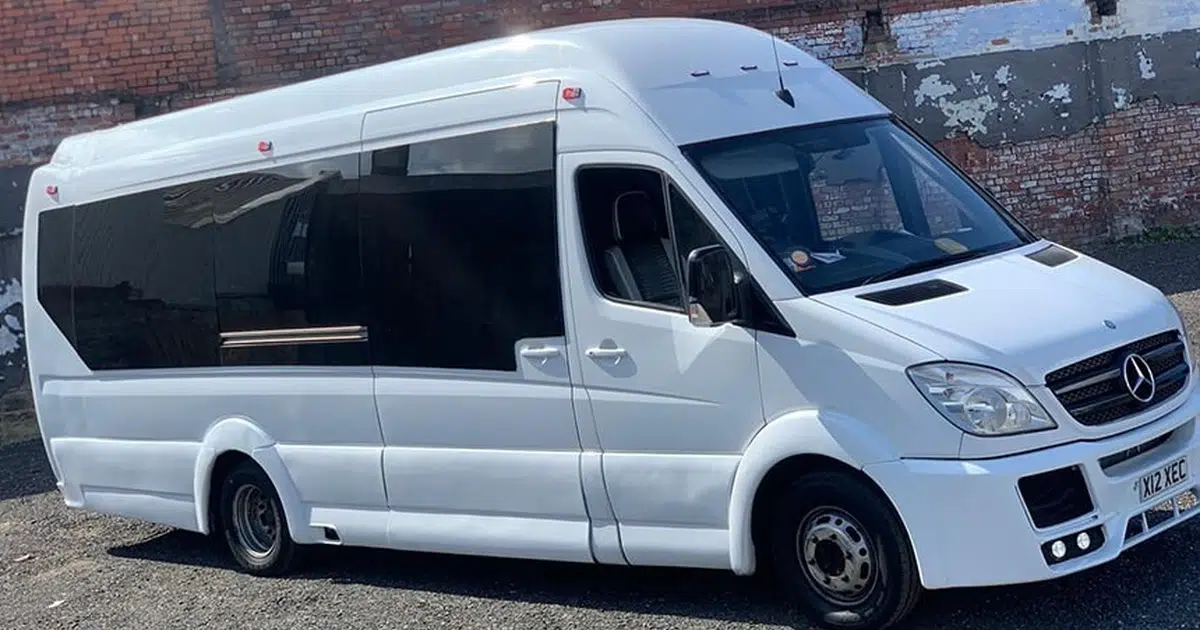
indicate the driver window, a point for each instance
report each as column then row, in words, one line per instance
column 638, row 230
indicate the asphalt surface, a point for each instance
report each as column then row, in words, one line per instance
column 62, row 568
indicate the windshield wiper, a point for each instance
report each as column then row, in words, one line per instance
column 918, row 266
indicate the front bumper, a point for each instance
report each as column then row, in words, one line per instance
column 970, row 525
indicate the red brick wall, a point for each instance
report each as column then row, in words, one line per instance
column 28, row 134
column 1139, row 168
column 1153, row 158
column 59, row 49
column 1052, row 185
column 74, row 65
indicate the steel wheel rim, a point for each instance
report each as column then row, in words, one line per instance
column 255, row 521
column 837, row 556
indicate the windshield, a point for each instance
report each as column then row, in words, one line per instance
column 853, row 203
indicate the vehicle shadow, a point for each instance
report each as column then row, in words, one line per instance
column 692, row 593
column 1108, row 596
column 24, row 470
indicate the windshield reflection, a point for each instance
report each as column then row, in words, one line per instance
column 852, row 203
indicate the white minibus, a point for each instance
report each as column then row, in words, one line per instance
column 636, row 292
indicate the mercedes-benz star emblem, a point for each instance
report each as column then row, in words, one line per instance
column 1139, row 378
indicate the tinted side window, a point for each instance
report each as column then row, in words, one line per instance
column 54, row 268
column 634, row 256
column 460, row 249
column 626, row 235
column 287, row 270
column 143, row 284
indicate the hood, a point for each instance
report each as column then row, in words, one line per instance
column 1018, row 314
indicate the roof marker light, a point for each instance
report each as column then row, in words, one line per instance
column 699, row 73
column 572, row 93
column 789, row 62
column 749, row 67
column 264, row 146
column 52, row 190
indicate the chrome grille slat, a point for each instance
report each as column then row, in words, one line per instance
column 1088, row 382
column 1107, row 401
column 1163, row 350
column 1173, row 374
column 1093, row 390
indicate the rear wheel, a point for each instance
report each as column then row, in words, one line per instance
column 841, row 553
column 253, row 523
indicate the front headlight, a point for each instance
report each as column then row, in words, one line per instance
column 980, row 401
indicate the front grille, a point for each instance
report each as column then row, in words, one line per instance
column 1093, row 390
column 1056, row 496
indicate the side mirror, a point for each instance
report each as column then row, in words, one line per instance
column 712, row 287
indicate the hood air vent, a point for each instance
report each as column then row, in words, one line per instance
column 1052, row 256
column 913, row 293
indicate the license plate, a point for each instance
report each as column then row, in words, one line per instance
column 1161, row 479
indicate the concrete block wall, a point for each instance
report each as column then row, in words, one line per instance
column 1086, row 123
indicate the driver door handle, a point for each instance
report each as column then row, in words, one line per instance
column 605, row 353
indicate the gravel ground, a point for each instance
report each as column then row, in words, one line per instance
column 63, row 568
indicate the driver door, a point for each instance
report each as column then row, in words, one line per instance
column 670, row 404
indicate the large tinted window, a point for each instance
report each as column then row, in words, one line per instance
column 257, row 268
column 143, row 295
column 287, row 268
column 839, row 205
column 460, row 249
column 54, row 267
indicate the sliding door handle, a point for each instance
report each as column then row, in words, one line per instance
column 605, row 353
column 541, row 352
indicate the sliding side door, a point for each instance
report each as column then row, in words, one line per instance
column 468, row 334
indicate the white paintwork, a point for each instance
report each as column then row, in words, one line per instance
column 970, row 529
column 669, row 420
column 650, row 456
column 1062, row 323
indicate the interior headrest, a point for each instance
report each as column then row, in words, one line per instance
column 635, row 217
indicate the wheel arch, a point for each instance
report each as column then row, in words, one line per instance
column 225, row 444
column 791, row 445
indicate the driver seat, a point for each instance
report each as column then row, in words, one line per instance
column 640, row 260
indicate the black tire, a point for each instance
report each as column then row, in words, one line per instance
column 253, row 524
column 833, row 508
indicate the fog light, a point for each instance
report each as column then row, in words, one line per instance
column 1073, row 546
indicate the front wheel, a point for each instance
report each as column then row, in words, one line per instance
column 842, row 554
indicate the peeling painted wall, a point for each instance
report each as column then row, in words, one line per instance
column 13, row 182
column 1014, row 96
column 1023, row 70
column 1033, row 25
